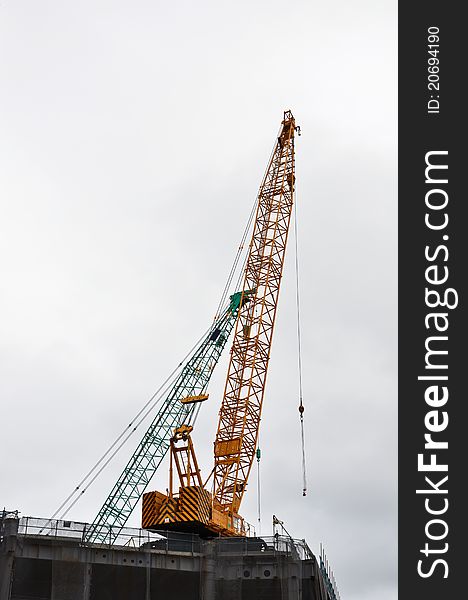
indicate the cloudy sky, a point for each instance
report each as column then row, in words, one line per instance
column 133, row 139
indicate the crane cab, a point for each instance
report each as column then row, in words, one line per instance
column 190, row 509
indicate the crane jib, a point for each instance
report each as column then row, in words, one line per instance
column 245, row 384
column 239, row 416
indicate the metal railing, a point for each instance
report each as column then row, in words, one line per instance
column 170, row 541
column 277, row 544
column 8, row 514
column 128, row 537
column 328, row 575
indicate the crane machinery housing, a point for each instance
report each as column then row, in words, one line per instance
column 193, row 507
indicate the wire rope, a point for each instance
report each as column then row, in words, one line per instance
column 131, row 428
column 299, row 353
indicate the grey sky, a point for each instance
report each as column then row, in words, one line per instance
column 133, row 138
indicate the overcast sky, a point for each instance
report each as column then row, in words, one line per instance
column 133, row 139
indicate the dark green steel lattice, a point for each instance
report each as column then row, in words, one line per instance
column 193, row 380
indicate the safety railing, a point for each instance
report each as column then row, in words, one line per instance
column 277, row 544
column 328, row 575
column 129, row 537
column 170, row 541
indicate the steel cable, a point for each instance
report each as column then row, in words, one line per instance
column 299, row 354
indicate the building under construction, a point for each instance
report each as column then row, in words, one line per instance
column 50, row 560
column 194, row 542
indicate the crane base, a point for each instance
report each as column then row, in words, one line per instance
column 190, row 511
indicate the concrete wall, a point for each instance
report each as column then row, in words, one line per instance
column 34, row 567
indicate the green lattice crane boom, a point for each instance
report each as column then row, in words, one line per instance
column 178, row 408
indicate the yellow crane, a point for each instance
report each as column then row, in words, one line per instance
column 216, row 511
